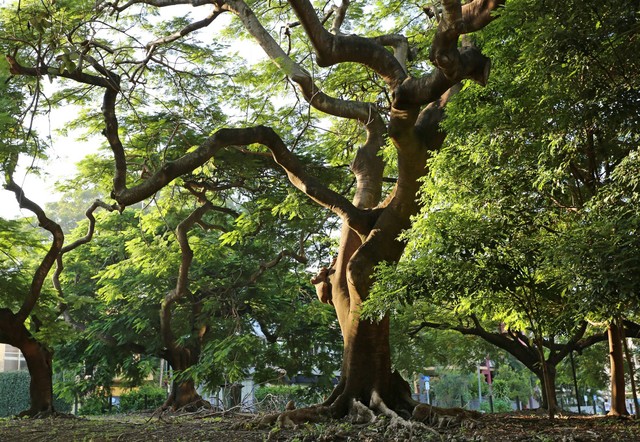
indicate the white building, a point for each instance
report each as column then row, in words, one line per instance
column 11, row 359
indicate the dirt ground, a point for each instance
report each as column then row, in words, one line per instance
column 238, row 428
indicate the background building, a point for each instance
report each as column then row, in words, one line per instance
column 11, row 359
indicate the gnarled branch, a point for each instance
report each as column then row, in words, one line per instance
column 49, row 259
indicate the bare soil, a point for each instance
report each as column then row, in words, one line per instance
column 218, row 427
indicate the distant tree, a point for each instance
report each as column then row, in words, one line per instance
column 225, row 314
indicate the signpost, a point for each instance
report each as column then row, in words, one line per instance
column 427, row 387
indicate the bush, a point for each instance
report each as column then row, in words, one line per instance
column 144, row 398
column 275, row 397
column 499, row 405
column 95, row 404
column 14, row 394
column 450, row 387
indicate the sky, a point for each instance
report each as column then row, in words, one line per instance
column 63, row 154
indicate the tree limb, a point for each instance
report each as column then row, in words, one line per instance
column 181, row 288
column 47, row 262
column 340, row 14
column 332, row 49
column 60, row 265
column 274, row 262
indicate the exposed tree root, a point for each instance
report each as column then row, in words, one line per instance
column 197, row 405
column 293, row 417
column 443, row 417
column 191, row 407
column 43, row 414
column 396, row 423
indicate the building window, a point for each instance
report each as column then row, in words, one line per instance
column 13, row 359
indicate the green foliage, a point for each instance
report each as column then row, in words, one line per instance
column 531, row 208
column 144, row 398
column 274, row 398
column 17, row 242
column 95, row 404
column 591, row 369
column 453, row 389
column 510, row 383
column 530, row 213
column 14, row 392
column 500, row 405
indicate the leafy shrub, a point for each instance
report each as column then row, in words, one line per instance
column 95, row 404
column 144, row 398
column 450, row 387
column 499, row 405
column 275, row 397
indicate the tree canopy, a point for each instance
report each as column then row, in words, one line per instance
column 476, row 161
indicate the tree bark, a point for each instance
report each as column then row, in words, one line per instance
column 632, row 369
column 38, row 357
column 183, row 395
column 39, row 362
column 548, row 388
column 370, row 232
column 12, row 325
column 616, row 359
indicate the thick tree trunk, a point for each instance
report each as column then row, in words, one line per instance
column 548, row 389
column 548, row 380
column 39, row 361
column 366, row 368
column 38, row 357
column 183, row 395
column 616, row 359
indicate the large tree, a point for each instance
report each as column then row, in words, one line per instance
column 383, row 91
column 539, row 166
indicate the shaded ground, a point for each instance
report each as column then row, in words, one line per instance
column 238, row 428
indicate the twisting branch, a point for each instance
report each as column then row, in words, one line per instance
column 367, row 165
column 152, row 46
column 92, row 222
column 452, row 64
column 368, row 193
column 444, row 49
column 192, row 27
column 362, row 112
column 296, row 171
column 519, row 349
column 157, row 3
column 222, row 138
column 400, row 46
column 332, row 49
column 181, row 289
column 16, row 68
column 47, row 262
column 274, row 262
column 60, row 264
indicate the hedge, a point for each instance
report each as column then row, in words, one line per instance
column 146, row 397
column 14, row 394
